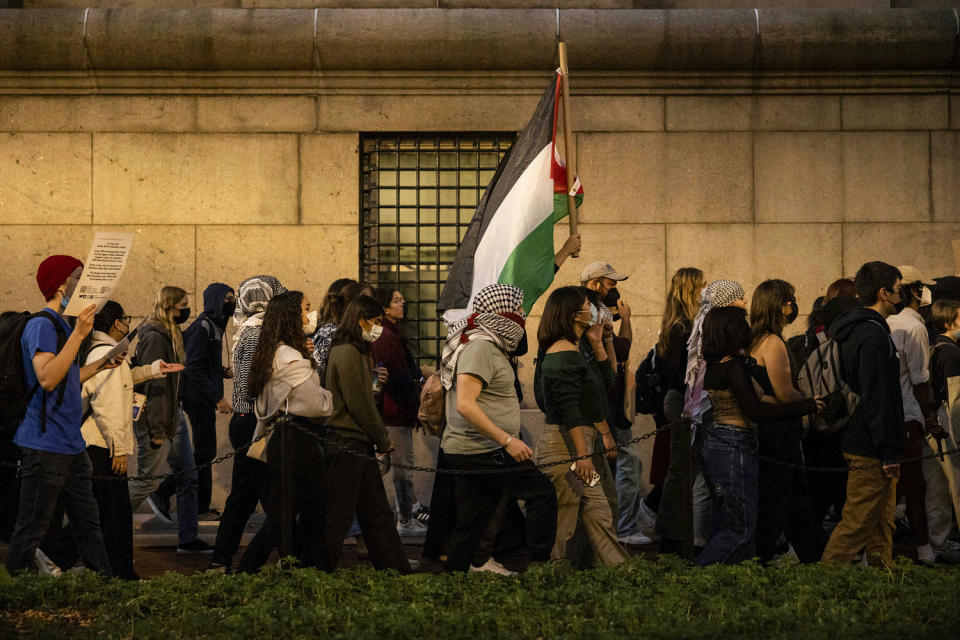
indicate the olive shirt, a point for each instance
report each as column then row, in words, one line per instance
column 575, row 390
column 484, row 361
column 355, row 413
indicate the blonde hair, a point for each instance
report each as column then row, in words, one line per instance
column 683, row 301
column 163, row 313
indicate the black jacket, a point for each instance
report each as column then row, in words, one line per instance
column 203, row 342
column 870, row 365
column 162, row 410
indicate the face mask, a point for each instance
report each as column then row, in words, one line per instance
column 926, row 297
column 373, row 333
column 311, row 325
column 522, row 346
column 228, row 309
column 182, row 316
column 610, row 300
column 794, row 310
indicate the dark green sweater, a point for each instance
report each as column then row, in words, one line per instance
column 355, row 412
column 574, row 390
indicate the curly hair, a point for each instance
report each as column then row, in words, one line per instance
column 282, row 324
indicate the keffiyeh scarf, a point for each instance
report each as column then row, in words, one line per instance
column 253, row 294
column 717, row 294
column 494, row 318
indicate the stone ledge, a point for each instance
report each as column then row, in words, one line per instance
column 197, row 39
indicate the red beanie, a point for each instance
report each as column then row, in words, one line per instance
column 53, row 272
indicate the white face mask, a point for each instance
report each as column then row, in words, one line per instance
column 926, row 298
column 373, row 333
column 311, row 325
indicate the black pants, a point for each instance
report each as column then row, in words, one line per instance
column 477, row 498
column 355, row 487
column 45, row 478
column 828, row 489
column 9, row 488
column 250, row 484
column 305, row 459
column 443, row 511
column 116, row 520
column 203, row 426
column 784, row 496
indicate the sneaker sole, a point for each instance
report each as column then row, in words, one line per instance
column 189, row 552
column 159, row 514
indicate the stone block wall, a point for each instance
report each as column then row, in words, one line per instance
column 802, row 183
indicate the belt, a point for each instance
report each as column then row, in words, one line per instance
column 731, row 427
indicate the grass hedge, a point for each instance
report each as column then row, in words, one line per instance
column 640, row 599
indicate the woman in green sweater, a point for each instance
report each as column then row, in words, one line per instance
column 355, row 432
column 572, row 395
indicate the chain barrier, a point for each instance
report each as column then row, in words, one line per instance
column 509, row 467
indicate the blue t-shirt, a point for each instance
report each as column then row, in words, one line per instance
column 63, row 422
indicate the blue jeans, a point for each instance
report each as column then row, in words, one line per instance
column 402, row 438
column 731, row 467
column 44, row 479
column 629, row 487
column 179, row 456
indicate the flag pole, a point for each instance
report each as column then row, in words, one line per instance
column 568, row 141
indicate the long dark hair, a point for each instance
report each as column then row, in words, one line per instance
column 333, row 304
column 557, row 321
column 384, row 297
column 725, row 333
column 766, row 309
column 348, row 331
column 282, row 324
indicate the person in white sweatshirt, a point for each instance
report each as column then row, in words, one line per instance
column 108, row 403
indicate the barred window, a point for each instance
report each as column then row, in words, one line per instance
column 418, row 195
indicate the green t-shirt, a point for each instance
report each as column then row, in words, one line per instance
column 498, row 399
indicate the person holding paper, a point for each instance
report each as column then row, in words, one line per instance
column 54, row 463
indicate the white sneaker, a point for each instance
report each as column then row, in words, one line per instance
column 492, row 566
column 926, row 555
column 411, row 527
column 634, row 539
column 45, row 566
column 646, row 517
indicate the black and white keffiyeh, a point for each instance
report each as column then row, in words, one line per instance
column 253, row 294
column 717, row 294
column 496, row 318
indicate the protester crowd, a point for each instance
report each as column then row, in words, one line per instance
column 765, row 447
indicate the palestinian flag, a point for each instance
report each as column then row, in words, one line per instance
column 510, row 238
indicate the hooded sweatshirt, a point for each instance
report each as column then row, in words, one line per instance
column 870, row 365
column 203, row 342
column 161, row 412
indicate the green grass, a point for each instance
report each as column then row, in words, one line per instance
column 640, row 599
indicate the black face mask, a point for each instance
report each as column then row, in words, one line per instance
column 182, row 316
column 228, row 308
column 522, row 347
column 610, row 300
column 794, row 310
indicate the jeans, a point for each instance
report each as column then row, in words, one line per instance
column 730, row 467
column 179, row 456
column 250, row 484
column 402, row 438
column 203, row 423
column 629, row 486
column 44, row 479
column 477, row 498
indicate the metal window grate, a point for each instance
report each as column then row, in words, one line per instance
column 418, row 195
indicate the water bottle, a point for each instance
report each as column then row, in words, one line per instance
column 377, row 385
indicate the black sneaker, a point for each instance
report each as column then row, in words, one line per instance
column 210, row 515
column 423, row 515
column 197, row 546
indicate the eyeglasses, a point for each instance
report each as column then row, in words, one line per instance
column 126, row 320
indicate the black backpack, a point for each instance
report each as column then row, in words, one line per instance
column 649, row 379
column 14, row 394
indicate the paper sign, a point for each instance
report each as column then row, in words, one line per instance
column 101, row 271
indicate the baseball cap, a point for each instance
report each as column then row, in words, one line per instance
column 909, row 275
column 596, row 270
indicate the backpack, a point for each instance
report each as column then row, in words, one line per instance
column 14, row 394
column 432, row 413
column 649, row 388
column 820, row 376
